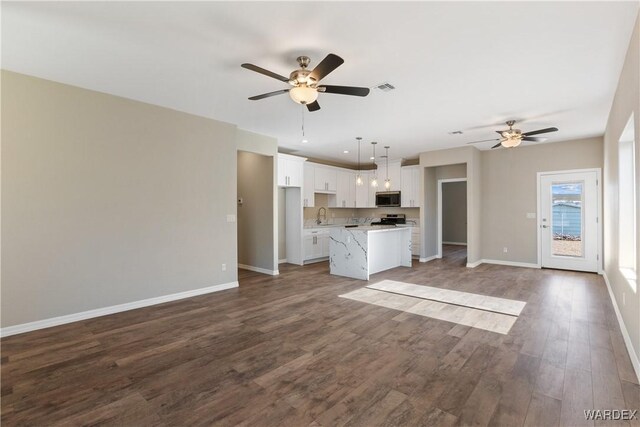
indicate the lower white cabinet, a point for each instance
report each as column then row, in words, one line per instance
column 316, row 244
column 415, row 241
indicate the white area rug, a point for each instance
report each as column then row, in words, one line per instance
column 477, row 311
column 466, row 299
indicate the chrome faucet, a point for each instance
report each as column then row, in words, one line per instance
column 323, row 215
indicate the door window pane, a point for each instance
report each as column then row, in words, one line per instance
column 567, row 219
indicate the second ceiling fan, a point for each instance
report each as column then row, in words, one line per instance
column 513, row 137
column 305, row 82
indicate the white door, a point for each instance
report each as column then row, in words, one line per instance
column 569, row 220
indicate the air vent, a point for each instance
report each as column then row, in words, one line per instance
column 385, row 87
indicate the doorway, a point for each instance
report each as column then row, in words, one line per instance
column 255, row 214
column 568, row 219
column 452, row 217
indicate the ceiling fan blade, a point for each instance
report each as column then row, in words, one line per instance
column 484, row 140
column 497, row 145
column 265, row 72
column 534, row 138
column 539, row 131
column 314, row 106
column 327, row 65
column 344, row 90
column 267, row 95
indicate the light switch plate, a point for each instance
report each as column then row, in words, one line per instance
column 531, row 215
column 231, row 218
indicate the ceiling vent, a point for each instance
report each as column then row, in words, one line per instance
column 385, row 87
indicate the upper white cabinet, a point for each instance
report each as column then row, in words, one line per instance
column 362, row 191
column 410, row 187
column 326, row 180
column 346, row 190
column 395, row 175
column 290, row 170
column 308, row 191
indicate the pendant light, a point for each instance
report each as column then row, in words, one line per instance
column 374, row 181
column 387, row 182
column 359, row 176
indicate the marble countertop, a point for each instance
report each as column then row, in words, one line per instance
column 375, row 228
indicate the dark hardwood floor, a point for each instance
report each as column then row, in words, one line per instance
column 286, row 350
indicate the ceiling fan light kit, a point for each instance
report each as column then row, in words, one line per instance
column 511, row 137
column 303, row 94
column 305, row 83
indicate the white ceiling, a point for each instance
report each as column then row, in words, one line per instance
column 457, row 66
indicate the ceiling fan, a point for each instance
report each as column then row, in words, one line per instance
column 305, row 82
column 513, row 137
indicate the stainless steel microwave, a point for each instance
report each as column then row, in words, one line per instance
column 388, row 199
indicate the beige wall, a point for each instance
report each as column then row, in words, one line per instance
column 626, row 102
column 454, row 212
column 256, row 213
column 430, row 162
column 509, row 188
column 107, row 200
column 282, row 224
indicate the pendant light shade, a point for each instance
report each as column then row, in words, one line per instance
column 374, row 181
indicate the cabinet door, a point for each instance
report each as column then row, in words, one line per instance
column 415, row 179
column 343, row 193
column 308, row 248
column 294, row 173
column 282, row 171
column 308, row 194
column 332, row 180
column 324, row 245
column 406, row 192
column 320, row 179
column 415, row 241
column 394, row 175
column 362, row 191
column 373, row 190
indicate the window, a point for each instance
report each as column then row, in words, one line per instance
column 627, row 204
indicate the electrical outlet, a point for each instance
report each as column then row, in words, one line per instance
column 505, row 249
column 224, row 267
column 231, row 218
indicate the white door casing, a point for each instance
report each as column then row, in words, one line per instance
column 570, row 239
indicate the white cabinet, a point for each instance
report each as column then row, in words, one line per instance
column 394, row 174
column 373, row 190
column 308, row 192
column 415, row 241
column 345, row 190
column 362, row 191
column 316, row 244
column 410, row 187
column 326, row 180
column 290, row 170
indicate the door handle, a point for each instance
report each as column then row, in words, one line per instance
column 543, row 226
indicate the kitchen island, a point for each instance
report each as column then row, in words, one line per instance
column 359, row 252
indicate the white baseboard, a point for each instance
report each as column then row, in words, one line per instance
column 625, row 334
column 455, row 243
column 259, row 270
column 282, row 261
column 427, row 259
column 501, row 262
column 474, row 264
column 98, row 312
